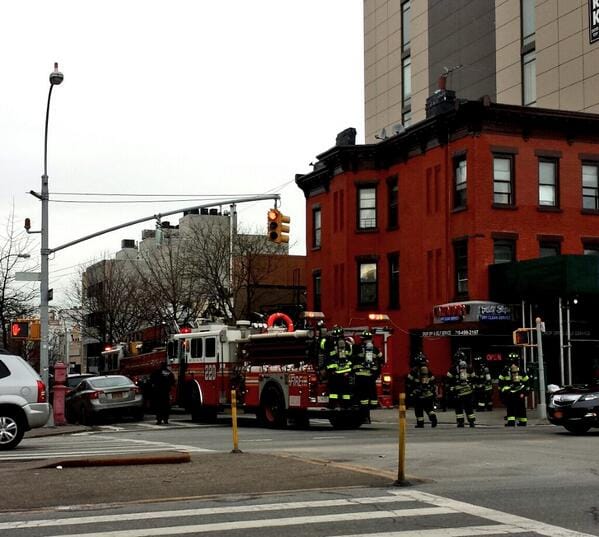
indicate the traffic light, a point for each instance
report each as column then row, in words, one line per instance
column 35, row 330
column 278, row 226
column 521, row 337
column 19, row 329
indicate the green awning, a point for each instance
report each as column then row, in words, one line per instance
column 536, row 279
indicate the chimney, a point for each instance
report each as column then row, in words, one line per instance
column 346, row 137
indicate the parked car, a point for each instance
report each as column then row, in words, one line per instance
column 575, row 407
column 73, row 379
column 103, row 396
column 23, row 400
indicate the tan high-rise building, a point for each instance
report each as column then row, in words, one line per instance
column 542, row 53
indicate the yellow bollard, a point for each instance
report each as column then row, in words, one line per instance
column 234, row 418
column 401, row 463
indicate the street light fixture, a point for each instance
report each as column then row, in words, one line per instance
column 56, row 78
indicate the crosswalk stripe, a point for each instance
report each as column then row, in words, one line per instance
column 270, row 523
column 203, row 511
column 496, row 516
column 464, row 531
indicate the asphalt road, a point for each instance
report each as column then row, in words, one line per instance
column 538, row 472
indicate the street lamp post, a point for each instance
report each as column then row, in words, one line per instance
column 56, row 77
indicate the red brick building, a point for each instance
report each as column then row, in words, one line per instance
column 412, row 223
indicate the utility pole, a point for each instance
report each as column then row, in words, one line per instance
column 542, row 397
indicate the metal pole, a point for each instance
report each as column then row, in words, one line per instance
column 44, row 284
column 569, row 342
column 561, row 343
column 542, row 404
column 401, row 463
column 234, row 419
column 232, row 234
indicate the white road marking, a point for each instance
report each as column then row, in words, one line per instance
column 464, row 531
column 204, row 511
column 270, row 523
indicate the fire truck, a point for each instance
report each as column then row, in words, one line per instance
column 277, row 374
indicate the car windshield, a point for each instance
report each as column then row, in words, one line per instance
column 109, row 382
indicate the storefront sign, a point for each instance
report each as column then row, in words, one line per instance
column 448, row 333
column 593, row 21
column 472, row 311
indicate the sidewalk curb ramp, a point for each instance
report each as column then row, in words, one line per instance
column 163, row 457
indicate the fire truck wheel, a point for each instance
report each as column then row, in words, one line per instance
column 300, row 419
column 272, row 408
column 346, row 421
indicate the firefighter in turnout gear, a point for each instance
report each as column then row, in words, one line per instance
column 515, row 389
column 459, row 381
column 505, row 378
column 421, row 391
column 367, row 364
column 483, row 384
column 337, row 362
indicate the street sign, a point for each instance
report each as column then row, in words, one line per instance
column 28, row 276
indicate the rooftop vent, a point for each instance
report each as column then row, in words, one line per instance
column 346, row 137
column 127, row 243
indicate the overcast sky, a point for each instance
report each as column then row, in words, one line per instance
column 181, row 97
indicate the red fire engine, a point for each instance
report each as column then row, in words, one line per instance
column 277, row 374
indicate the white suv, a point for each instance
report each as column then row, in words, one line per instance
column 23, row 400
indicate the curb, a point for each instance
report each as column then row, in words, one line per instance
column 163, row 457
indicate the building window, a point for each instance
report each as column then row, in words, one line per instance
column 366, row 208
column 316, row 227
column 316, row 290
column 460, row 182
column 549, row 248
column 392, row 202
column 367, row 284
column 591, row 249
column 460, row 257
column 393, row 260
column 503, row 181
column 406, row 81
column 548, row 183
column 405, row 25
column 504, row 251
column 528, row 52
column 590, row 187
column 529, row 78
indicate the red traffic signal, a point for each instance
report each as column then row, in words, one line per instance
column 278, row 227
column 19, row 329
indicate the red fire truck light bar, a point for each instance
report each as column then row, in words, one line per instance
column 378, row 317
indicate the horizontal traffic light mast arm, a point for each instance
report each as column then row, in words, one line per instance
column 275, row 197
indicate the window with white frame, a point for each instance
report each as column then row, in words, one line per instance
column 548, row 183
column 366, row 207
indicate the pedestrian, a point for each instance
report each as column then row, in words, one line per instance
column 459, row 380
column 337, row 364
column 483, row 384
column 515, row 396
column 367, row 363
column 421, row 391
column 162, row 380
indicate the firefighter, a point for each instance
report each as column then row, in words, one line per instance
column 505, row 378
column 421, row 391
column 367, row 364
column 459, row 380
column 162, row 380
column 337, row 363
column 515, row 391
column 483, row 384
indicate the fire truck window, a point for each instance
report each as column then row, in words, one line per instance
column 210, row 347
column 196, row 348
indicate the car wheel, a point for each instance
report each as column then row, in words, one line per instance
column 577, row 428
column 272, row 408
column 12, row 430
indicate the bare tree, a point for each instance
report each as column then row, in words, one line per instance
column 16, row 299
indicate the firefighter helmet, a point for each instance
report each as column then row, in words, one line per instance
column 513, row 357
column 420, row 359
column 366, row 334
column 337, row 331
column 459, row 356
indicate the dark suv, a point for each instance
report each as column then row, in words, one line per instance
column 23, row 400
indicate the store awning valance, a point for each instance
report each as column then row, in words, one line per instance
column 545, row 277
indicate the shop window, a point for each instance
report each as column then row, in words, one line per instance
column 367, row 284
column 503, row 180
column 366, row 207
